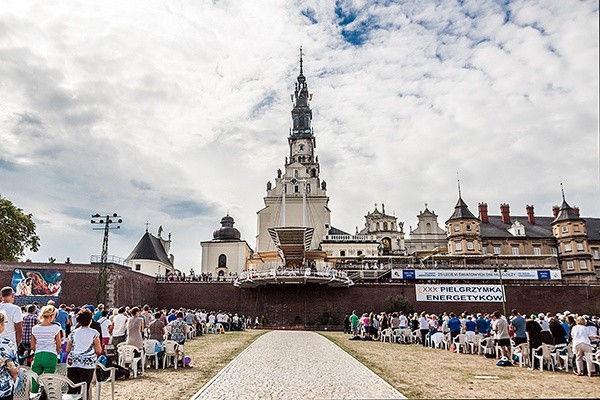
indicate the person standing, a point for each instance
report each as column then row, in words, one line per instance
column 518, row 325
column 13, row 329
column 354, row 323
column 423, row 327
column 135, row 327
column 582, row 346
column 454, row 325
column 46, row 343
column 501, row 335
column 105, row 325
column 9, row 370
column 29, row 321
column 83, row 347
column 119, row 327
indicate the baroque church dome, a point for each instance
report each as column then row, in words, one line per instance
column 227, row 231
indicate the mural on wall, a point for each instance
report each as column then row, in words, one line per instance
column 38, row 282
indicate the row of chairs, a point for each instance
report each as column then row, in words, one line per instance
column 129, row 356
column 56, row 385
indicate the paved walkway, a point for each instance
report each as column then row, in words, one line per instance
column 295, row 365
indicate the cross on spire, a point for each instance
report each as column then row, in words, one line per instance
column 147, row 223
column 301, row 60
column 458, row 182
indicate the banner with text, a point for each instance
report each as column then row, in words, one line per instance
column 458, row 293
column 476, row 274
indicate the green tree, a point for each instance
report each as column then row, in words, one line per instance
column 17, row 232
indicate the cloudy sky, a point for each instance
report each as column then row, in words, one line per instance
column 173, row 113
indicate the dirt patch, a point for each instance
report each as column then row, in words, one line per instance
column 419, row 372
column 209, row 354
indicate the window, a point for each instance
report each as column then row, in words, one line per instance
column 342, row 253
column 576, row 228
column 537, row 251
column 485, row 250
column 515, row 250
column 567, row 246
column 570, row 265
column 579, row 246
column 222, row 261
column 359, row 253
column 565, row 229
column 582, row 264
column 468, row 227
column 428, row 228
column 554, row 251
column 470, row 246
column 496, row 249
column 596, row 254
column 385, row 226
column 138, row 267
column 377, row 226
column 456, row 228
column 458, row 246
column 296, row 189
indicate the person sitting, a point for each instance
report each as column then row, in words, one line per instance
column 83, row 348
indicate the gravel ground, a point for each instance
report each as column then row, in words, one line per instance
column 293, row 365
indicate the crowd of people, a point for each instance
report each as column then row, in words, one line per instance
column 42, row 336
column 580, row 332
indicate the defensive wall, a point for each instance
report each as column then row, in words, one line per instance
column 285, row 304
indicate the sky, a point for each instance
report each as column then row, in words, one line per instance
column 176, row 113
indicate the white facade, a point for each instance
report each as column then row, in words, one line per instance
column 224, row 257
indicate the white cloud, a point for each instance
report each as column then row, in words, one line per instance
column 174, row 113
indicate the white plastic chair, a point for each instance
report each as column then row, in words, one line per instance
column 150, row 351
column 544, row 354
column 474, row 344
column 416, row 336
column 218, row 327
column 460, row 341
column 127, row 357
column 25, row 392
column 437, row 340
column 566, row 355
column 170, row 348
column 406, row 335
column 522, row 353
column 486, row 345
column 396, row 335
column 110, row 380
column 386, row 335
column 55, row 384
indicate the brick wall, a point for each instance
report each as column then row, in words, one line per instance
column 293, row 304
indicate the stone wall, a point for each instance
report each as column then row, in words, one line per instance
column 80, row 282
column 292, row 304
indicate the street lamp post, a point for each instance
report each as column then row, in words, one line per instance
column 107, row 221
column 499, row 269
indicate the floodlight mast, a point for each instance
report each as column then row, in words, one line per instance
column 107, row 220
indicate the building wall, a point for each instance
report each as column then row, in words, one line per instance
column 293, row 304
column 237, row 253
column 80, row 283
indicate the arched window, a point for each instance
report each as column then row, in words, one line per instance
column 313, row 172
column 222, row 261
column 377, row 226
column 385, row 226
column 428, row 228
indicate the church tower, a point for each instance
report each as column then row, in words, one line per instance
column 299, row 197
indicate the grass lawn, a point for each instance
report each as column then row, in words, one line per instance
column 419, row 372
column 209, row 354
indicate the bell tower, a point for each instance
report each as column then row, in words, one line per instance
column 299, row 197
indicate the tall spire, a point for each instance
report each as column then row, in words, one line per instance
column 301, row 113
column 562, row 191
column 300, row 60
column 458, row 183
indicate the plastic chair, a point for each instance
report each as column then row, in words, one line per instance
column 218, row 328
column 170, row 347
column 416, row 336
column 150, row 351
column 486, row 345
column 386, row 335
column 61, row 369
column 110, row 379
column 544, row 354
column 127, row 357
column 460, row 341
column 474, row 344
column 55, row 384
column 522, row 353
column 437, row 340
column 25, row 392
column 396, row 335
column 406, row 335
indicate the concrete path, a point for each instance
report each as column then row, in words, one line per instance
column 295, row 365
